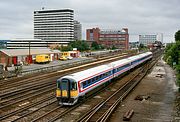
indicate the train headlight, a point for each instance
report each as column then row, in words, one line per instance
column 58, row 93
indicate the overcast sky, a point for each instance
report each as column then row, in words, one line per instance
column 139, row 16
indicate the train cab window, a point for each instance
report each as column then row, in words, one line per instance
column 73, row 86
column 64, row 85
column 58, row 84
column 46, row 56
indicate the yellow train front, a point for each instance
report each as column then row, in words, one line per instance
column 67, row 91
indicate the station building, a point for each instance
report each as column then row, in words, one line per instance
column 11, row 57
column 109, row 38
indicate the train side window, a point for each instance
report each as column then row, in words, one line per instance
column 89, row 81
column 100, row 76
column 84, row 83
column 93, row 80
column 97, row 77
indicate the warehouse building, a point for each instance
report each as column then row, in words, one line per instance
column 11, row 57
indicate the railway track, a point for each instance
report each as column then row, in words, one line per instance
column 109, row 104
column 20, row 80
column 14, row 114
column 26, row 96
column 56, row 114
column 37, row 112
column 103, row 110
column 20, row 115
column 8, row 92
column 19, row 96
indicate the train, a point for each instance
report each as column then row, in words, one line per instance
column 42, row 58
column 71, row 88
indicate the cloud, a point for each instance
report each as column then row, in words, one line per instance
column 139, row 16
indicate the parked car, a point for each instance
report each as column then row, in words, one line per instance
column 69, row 57
column 63, row 58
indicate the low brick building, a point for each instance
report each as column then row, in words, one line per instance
column 10, row 57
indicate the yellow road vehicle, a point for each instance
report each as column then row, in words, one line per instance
column 42, row 58
column 63, row 58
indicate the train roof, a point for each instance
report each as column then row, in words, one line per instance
column 133, row 57
column 95, row 70
column 145, row 54
column 139, row 56
column 120, row 62
column 89, row 72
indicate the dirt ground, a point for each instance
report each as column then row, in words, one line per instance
column 162, row 104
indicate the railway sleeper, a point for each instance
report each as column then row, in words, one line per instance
column 127, row 116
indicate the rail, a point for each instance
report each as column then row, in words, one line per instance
column 102, row 111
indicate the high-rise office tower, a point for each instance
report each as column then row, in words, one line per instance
column 77, row 30
column 54, row 26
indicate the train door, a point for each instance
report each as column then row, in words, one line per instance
column 65, row 88
column 114, row 71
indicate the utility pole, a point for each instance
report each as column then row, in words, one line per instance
column 29, row 54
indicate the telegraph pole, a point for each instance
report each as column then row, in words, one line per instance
column 29, row 54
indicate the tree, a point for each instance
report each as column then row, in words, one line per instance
column 141, row 46
column 80, row 45
column 113, row 47
column 172, row 55
column 95, row 46
column 66, row 48
column 177, row 36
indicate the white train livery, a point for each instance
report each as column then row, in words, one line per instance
column 73, row 86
